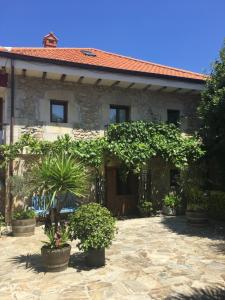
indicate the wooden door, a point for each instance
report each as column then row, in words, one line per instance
column 121, row 203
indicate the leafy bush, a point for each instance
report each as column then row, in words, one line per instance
column 172, row 200
column 93, row 225
column 24, row 214
column 56, row 239
column 216, row 205
column 145, row 207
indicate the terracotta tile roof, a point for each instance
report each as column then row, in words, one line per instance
column 104, row 59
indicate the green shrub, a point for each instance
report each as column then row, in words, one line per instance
column 24, row 214
column 172, row 200
column 145, row 207
column 93, row 225
column 216, row 205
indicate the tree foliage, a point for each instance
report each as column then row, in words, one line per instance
column 212, row 111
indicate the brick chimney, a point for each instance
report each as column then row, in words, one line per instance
column 50, row 40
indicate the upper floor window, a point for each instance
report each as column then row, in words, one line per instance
column 58, row 111
column 119, row 114
column 173, row 117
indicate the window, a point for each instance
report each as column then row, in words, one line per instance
column 58, row 111
column 173, row 116
column 88, row 53
column 174, row 178
column 123, row 184
column 119, row 114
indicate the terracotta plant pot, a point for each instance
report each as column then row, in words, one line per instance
column 56, row 260
column 24, row 227
column 95, row 257
column 197, row 218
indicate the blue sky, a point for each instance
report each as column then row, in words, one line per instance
column 182, row 33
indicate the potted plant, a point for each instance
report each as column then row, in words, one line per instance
column 95, row 229
column 2, row 223
column 23, row 222
column 56, row 176
column 170, row 204
column 197, row 204
column 145, row 208
column 56, row 251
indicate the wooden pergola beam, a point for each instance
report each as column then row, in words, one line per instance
column 177, row 90
column 147, row 87
column 130, row 85
column 189, row 92
column 80, row 79
column 63, row 77
column 24, row 71
column 115, row 83
column 162, row 89
column 44, row 75
column 97, row 81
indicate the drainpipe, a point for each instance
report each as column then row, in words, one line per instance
column 11, row 133
column 12, row 101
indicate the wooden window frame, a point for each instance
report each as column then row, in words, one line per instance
column 65, row 114
column 120, row 107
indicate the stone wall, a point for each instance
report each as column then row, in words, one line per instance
column 88, row 113
column 88, row 107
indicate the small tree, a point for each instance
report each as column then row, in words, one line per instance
column 212, row 112
column 56, row 177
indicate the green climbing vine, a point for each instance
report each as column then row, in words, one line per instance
column 136, row 142
column 132, row 143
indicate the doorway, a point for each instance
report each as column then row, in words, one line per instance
column 121, row 193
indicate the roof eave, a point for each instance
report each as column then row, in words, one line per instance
column 94, row 67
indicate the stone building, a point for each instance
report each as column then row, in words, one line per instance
column 50, row 91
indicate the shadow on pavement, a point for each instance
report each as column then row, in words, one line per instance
column 217, row 293
column 29, row 262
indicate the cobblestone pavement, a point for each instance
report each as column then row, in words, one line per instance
column 151, row 258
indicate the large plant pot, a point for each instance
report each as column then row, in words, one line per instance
column 169, row 211
column 197, row 218
column 144, row 213
column 95, row 257
column 56, row 260
column 24, row 227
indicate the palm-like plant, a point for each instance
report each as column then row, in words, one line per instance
column 57, row 176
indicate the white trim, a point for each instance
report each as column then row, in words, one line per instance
column 37, row 68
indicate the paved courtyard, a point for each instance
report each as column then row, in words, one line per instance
column 152, row 258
